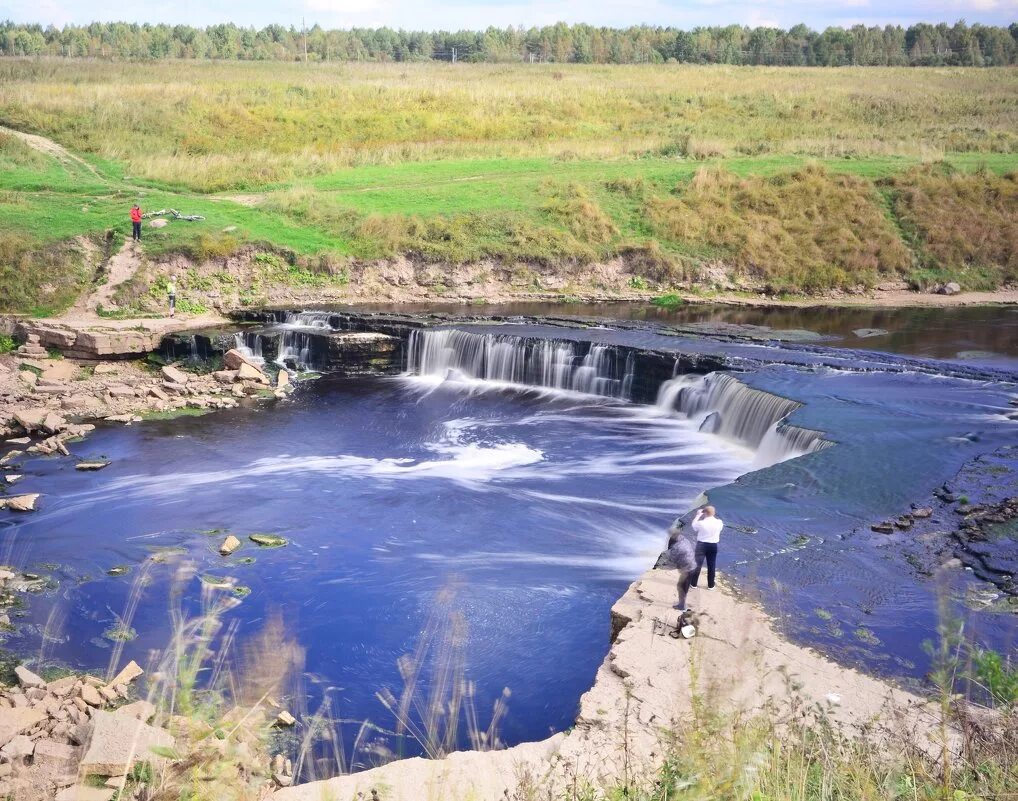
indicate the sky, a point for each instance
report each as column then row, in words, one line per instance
column 479, row 14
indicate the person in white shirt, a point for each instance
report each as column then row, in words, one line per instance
column 707, row 526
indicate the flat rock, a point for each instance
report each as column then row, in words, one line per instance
column 229, row 545
column 10, row 457
column 17, row 721
column 225, row 376
column 91, row 465
column 106, row 368
column 248, row 372
column 28, row 377
column 155, row 392
column 60, row 371
column 26, row 678
column 80, row 792
column 866, row 333
column 284, row 718
column 121, row 391
column 19, row 441
column 175, row 376
column 130, row 672
column 118, row 742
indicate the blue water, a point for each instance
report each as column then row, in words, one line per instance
column 535, row 511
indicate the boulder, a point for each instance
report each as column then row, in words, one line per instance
column 62, row 687
column 176, row 389
column 950, row 288
column 81, row 404
column 28, row 377
column 129, row 673
column 118, row 742
column 158, row 223
column 155, row 392
column 175, row 376
column 54, row 759
column 26, row 678
column 283, row 379
column 17, row 721
column 225, row 376
column 233, row 359
column 229, row 545
column 30, row 419
column 248, row 372
column 922, row 512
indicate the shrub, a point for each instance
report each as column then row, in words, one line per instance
column 40, row 279
column 573, row 208
column 211, row 246
column 7, row 343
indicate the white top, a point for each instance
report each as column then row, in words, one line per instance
column 708, row 529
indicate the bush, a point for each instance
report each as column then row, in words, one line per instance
column 7, row 344
column 211, row 246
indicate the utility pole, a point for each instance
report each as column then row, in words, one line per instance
column 304, row 31
column 454, row 55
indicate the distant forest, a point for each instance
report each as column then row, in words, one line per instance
column 922, row 45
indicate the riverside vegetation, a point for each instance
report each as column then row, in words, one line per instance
column 755, row 179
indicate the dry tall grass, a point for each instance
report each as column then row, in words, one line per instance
column 808, row 230
column 213, row 125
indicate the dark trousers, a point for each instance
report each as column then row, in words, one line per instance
column 173, row 304
column 708, row 551
column 136, row 233
column 685, row 579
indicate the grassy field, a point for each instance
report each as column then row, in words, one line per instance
column 790, row 179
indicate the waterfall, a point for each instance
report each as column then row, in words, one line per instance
column 300, row 332
column 750, row 417
column 250, row 344
column 600, row 370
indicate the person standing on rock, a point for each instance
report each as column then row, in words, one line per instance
column 680, row 555
column 171, row 293
column 707, row 526
column 136, row 222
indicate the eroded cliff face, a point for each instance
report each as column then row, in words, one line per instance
column 642, row 700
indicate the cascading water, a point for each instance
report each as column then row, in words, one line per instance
column 297, row 345
column 250, row 344
column 723, row 405
column 551, row 364
column 744, row 415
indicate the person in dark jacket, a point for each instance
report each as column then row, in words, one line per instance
column 136, row 222
column 682, row 557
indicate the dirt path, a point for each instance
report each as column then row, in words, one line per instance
column 51, row 148
column 120, row 269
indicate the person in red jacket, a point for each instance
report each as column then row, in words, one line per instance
column 136, row 222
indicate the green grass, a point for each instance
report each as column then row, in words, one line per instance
column 519, row 167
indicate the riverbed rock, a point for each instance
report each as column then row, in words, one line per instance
column 53, row 423
column 59, row 371
column 26, row 678
column 121, row 391
column 91, row 465
column 267, row 540
column 106, row 368
column 285, row 719
column 21, row 503
column 28, row 378
column 54, row 759
column 950, row 288
column 175, row 376
column 225, row 376
column 229, row 545
column 11, row 478
column 883, row 528
column 10, row 457
column 157, row 393
column 118, row 742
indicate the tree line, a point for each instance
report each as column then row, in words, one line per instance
column 917, row 45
